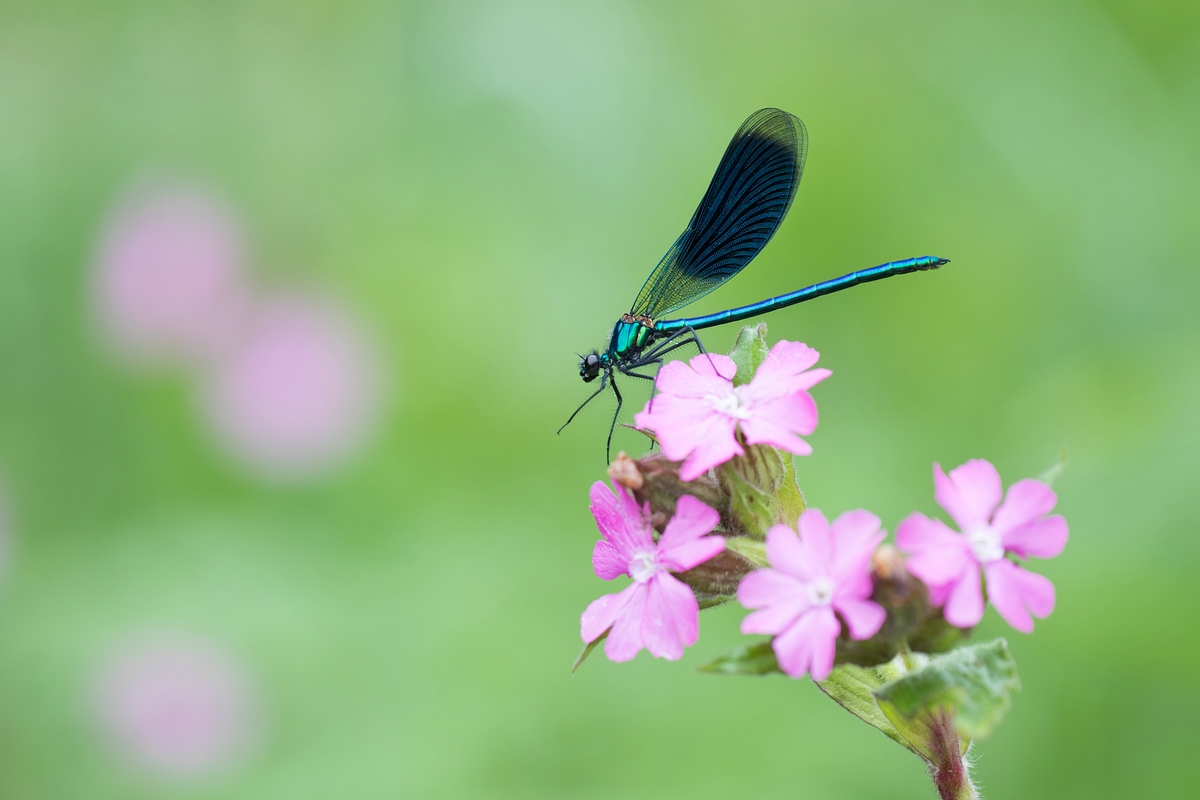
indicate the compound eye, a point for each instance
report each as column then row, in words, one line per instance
column 589, row 367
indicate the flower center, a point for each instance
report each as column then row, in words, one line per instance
column 985, row 544
column 731, row 404
column 820, row 592
column 642, row 566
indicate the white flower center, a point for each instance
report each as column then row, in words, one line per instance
column 642, row 566
column 731, row 404
column 820, row 592
column 985, row 544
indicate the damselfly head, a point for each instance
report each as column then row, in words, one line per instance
column 589, row 367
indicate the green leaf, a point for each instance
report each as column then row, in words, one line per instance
column 852, row 687
column 587, row 650
column 749, row 351
column 750, row 659
column 973, row 683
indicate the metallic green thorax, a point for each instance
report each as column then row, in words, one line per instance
column 629, row 335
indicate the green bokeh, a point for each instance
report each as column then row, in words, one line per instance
column 488, row 184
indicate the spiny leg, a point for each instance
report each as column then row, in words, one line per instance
column 603, row 386
column 613, row 427
column 655, row 355
column 658, row 348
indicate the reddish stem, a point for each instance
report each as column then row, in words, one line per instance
column 949, row 770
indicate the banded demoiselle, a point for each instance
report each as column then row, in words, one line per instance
column 746, row 201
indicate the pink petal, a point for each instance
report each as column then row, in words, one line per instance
column 786, row 554
column 714, row 365
column 809, row 644
column 775, row 618
column 1043, row 538
column 690, row 554
column 625, row 639
column 683, row 544
column 1014, row 592
column 684, row 425
column 671, row 621
column 603, row 612
column 964, row 606
column 678, row 421
column 620, row 520
column 937, row 555
column 939, row 593
column 608, row 562
column 780, row 422
column 812, row 378
column 856, row 534
column 816, row 540
column 783, row 372
column 716, row 446
column 863, row 617
column 760, row 431
column 970, row 494
column 768, row 587
column 678, row 379
column 1025, row 501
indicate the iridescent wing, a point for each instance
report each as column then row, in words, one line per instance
column 748, row 198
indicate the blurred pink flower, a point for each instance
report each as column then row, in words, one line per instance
column 297, row 395
column 950, row 563
column 698, row 411
column 656, row 611
column 813, row 578
column 180, row 708
column 168, row 276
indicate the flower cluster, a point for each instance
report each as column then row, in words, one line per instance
column 816, row 587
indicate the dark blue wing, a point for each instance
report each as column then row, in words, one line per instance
column 748, row 198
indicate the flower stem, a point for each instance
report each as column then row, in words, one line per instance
column 949, row 770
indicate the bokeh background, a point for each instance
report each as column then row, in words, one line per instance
column 290, row 297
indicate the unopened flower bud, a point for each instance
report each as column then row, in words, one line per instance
column 911, row 620
column 662, row 487
column 716, row 580
column 624, row 470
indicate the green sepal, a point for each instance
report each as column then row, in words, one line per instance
column 791, row 499
column 749, row 351
column 587, row 650
column 748, row 659
column 762, row 489
column 1055, row 470
column 972, row 683
column 715, row 581
column 749, row 483
column 751, row 549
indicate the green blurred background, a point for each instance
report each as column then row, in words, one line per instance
column 484, row 186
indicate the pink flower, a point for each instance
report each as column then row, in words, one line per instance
column 950, row 563
column 181, row 708
column 698, row 411
column 816, row 576
column 297, row 396
column 656, row 611
column 168, row 281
